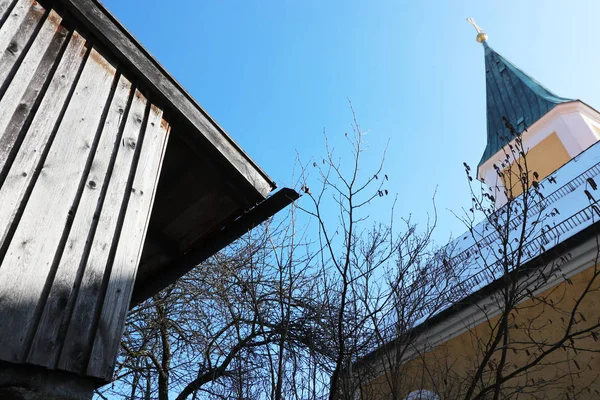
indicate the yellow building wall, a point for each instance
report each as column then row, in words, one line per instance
column 544, row 158
column 446, row 368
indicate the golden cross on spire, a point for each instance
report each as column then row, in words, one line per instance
column 481, row 35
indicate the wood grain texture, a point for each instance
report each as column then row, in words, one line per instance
column 16, row 32
column 65, row 287
column 22, row 93
column 22, row 169
column 132, row 54
column 4, row 9
column 31, row 254
column 129, row 248
column 80, row 158
column 80, row 334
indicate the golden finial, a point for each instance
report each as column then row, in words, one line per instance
column 481, row 35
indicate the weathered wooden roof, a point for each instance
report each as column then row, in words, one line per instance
column 124, row 47
column 207, row 181
column 113, row 183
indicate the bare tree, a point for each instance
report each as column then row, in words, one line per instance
column 536, row 331
column 225, row 329
column 536, row 337
column 535, row 323
column 340, row 306
column 380, row 278
column 285, row 312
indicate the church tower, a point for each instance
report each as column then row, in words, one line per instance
column 553, row 129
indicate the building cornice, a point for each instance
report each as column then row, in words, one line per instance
column 582, row 257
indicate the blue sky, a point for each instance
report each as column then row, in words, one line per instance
column 275, row 74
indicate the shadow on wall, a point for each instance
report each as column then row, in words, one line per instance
column 73, row 330
column 26, row 382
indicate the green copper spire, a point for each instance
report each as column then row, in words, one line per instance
column 513, row 94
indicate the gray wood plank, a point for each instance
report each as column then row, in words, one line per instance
column 129, row 248
column 44, row 350
column 15, row 34
column 79, row 336
column 23, row 167
column 111, row 33
column 31, row 253
column 28, row 81
column 4, row 5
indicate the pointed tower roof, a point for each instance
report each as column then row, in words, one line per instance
column 513, row 94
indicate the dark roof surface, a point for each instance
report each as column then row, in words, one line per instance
column 513, row 94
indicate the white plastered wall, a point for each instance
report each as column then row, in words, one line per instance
column 572, row 122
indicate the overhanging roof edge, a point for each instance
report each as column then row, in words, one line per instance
column 588, row 233
column 111, row 33
column 223, row 237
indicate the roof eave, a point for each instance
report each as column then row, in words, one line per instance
column 225, row 235
column 105, row 28
column 559, row 250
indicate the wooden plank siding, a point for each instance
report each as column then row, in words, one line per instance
column 62, row 296
column 80, row 334
column 81, row 149
column 129, row 250
column 16, row 35
column 5, row 8
column 201, row 127
column 15, row 32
